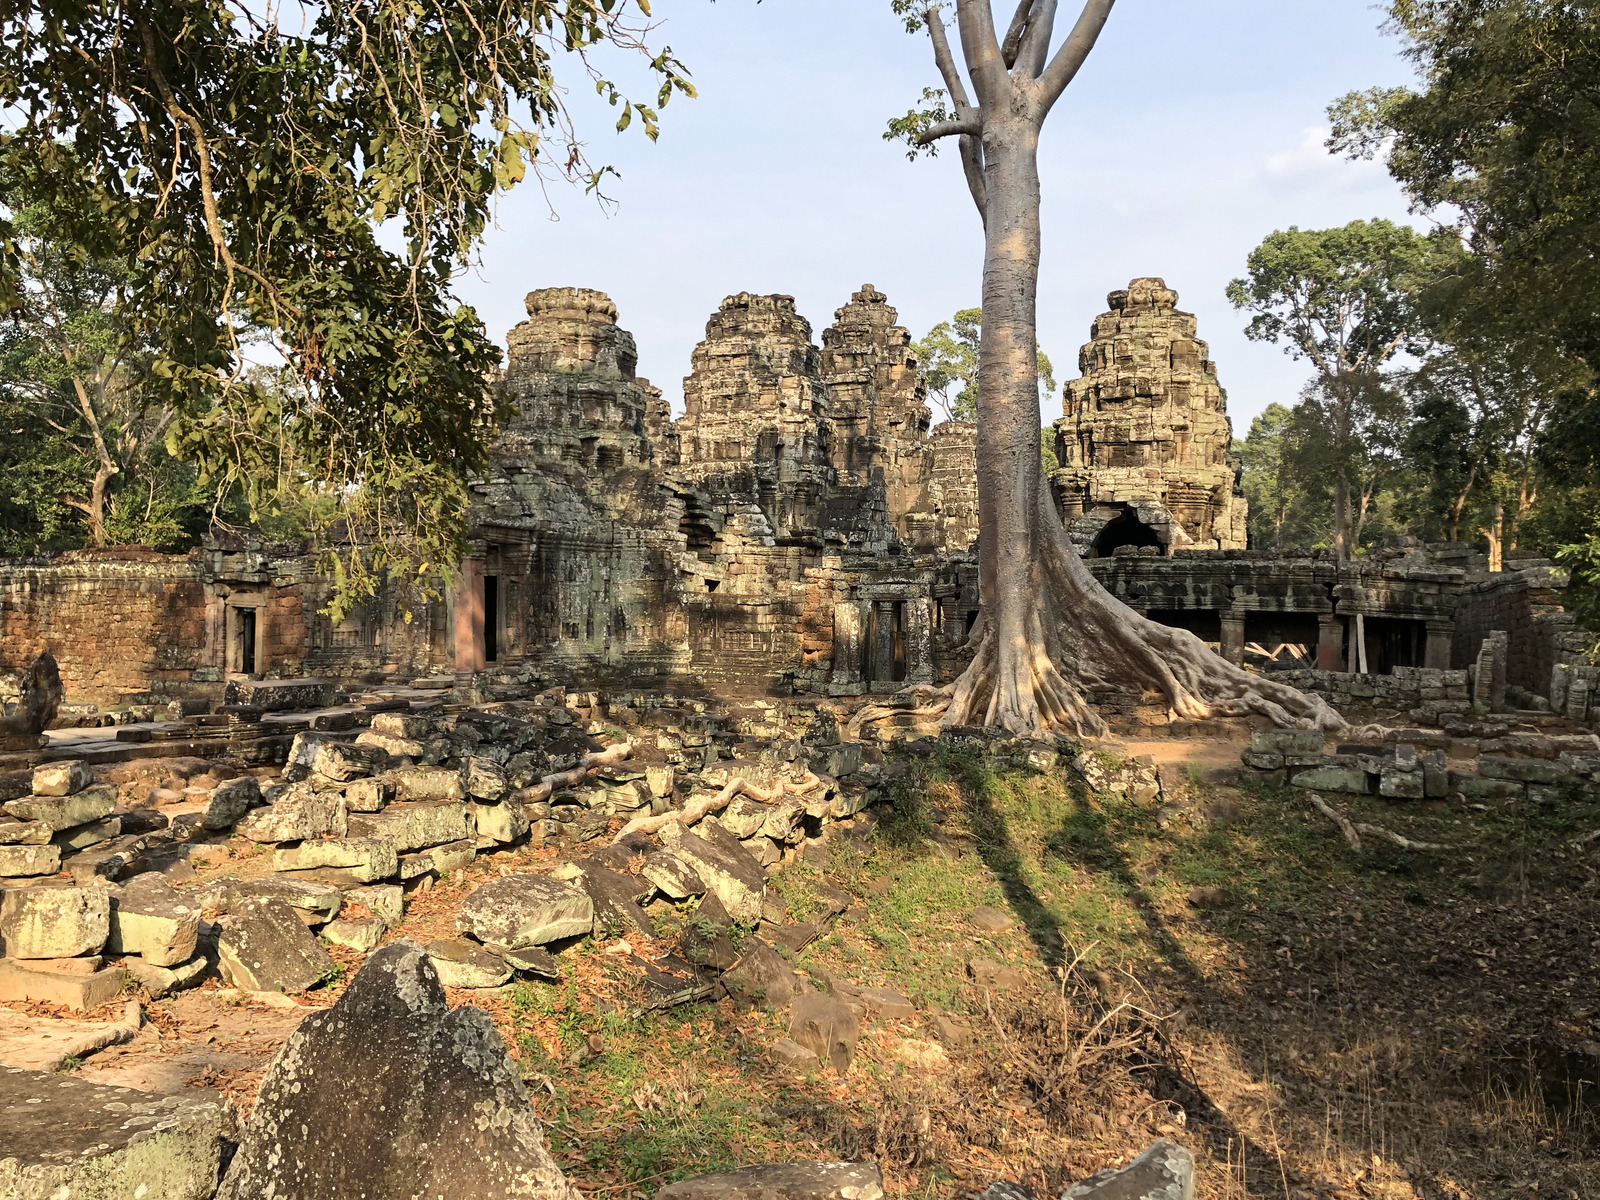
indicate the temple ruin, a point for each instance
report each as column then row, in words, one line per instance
column 799, row 529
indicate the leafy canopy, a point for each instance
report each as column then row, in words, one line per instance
column 248, row 158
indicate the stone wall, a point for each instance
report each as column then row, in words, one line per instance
column 1525, row 602
column 117, row 621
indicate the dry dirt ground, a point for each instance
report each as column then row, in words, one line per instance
column 1215, row 965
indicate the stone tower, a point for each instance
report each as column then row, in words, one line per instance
column 1144, row 444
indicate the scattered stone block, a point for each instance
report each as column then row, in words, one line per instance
column 81, row 837
column 24, row 833
column 990, row 920
column 319, row 901
column 63, row 812
column 415, row 826
column 367, row 795
column 792, row 1055
column 361, row 859
column 888, row 1003
column 517, row 911
column 154, row 920
column 705, row 940
column 313, row 1136
column 727, row 869
column 384, row 900
column 484, row 780
column 826, row 1027
column 231, row 802
column 62, row 778
column 157, row 982
column 361, row 934
column 786, row 1181
column 345, row 761
column 69, row 1138
column 616, row 901
column 53, row 922
column 761, row 978
column 298, row 813
column 505, row 822
column 674, row 877
column 1333, row 779
column 264, row 947
column 987, row 973
column 533, row 961
column 21, row 985
column 951, row 1032
column 1163, row 1172
column 422, row 784
column 464, row 964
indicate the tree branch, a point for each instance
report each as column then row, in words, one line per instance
column 1036, row 43
column 981, row 46
column 1054, row 79
column 967, row 126
column 1011, row 47
column 972, row 165
column 946, row 60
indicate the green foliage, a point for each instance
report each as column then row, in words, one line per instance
column 248, row 166
column 1287, row 509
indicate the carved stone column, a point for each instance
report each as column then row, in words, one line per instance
column 1440, row 636
column 1330, row 642
column 847, row 645
column 919, row 640
column 468, row 604
column 1232, row 640
column 883, row 664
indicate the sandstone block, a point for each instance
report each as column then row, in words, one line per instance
column 361, row 934
column 727, row 869
column 826, row 1027
column 230, row 802
column 402, row 725
column 786, row 1181
column 428, row 783
column 52, row 922
column 154, row 920
column 298, row 813
column 157, row 982
column 1163, row 1172
column 464, row 964
column 385, row 901
column 676, row 879
column 345, row 761
column 81, row 837
column 24, row 833
column 762, row 979
column 366, row 860
column 484, row 780
column 516, row 911
column 62, row 778
column 616, row 901
column 505, row 822
column 63, row 812
column 414, row 826
column 313, row 1136
column 368, row 795
column 68, row 1138
column 395, row 747
column 264, row 947
column 20, row 985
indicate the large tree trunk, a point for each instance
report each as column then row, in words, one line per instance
column 1341, row 514
column 1050, row 633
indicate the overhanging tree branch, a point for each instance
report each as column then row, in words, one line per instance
column 982, row 49
column 1011, row 47
column 1035, row 46
column 968, row 126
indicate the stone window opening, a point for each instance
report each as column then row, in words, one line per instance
column 1124, row 530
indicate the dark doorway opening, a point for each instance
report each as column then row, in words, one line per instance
column 1204, row 623
column 491, row 618
column 1126, row 530
column 1391, row 642
column 247, row 641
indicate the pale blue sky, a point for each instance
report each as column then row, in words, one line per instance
column 1194, row 129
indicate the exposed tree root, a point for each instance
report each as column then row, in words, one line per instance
column 693, row 814
column 1353, row 830
column 1070, row 638
column 551, row 783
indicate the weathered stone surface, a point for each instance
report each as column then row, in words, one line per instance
column 52, row 922
column 727, row 870
column 81, row 837
column 361, row 934
column 264, row 947
column 505, row 822
column 297, row 813
column 676, row 879
column 464, row 964
column 438, row 860
column 484, row 780
column 63, row 812
column 1144, row 443
column 825, row 1026
column 616, row 901
column 391, row 1094
column 706, row 937
column 987, row 973
column 230, row 802
column 345, row 761
column 154, row 920
column 157, row 982
column 990, row 920
column 365, row 859
column 420, row 784
column 384, row 900
column 68, row 1139
column 40, row 701
column 785, row 1181
column 24, row 833
column 367, row 795
column 321, row 901
column 886, row 1002
column 517, row 911
column 20, row 983
column 414, row 826
column 62, row 778
column 534, row 961
column 762, row 979
column 744, row 817
column 1163, row 1172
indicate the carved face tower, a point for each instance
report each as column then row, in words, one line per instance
column 1143, row 446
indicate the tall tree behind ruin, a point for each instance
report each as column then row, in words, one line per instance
column 1050, row 634
column 249, row 166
